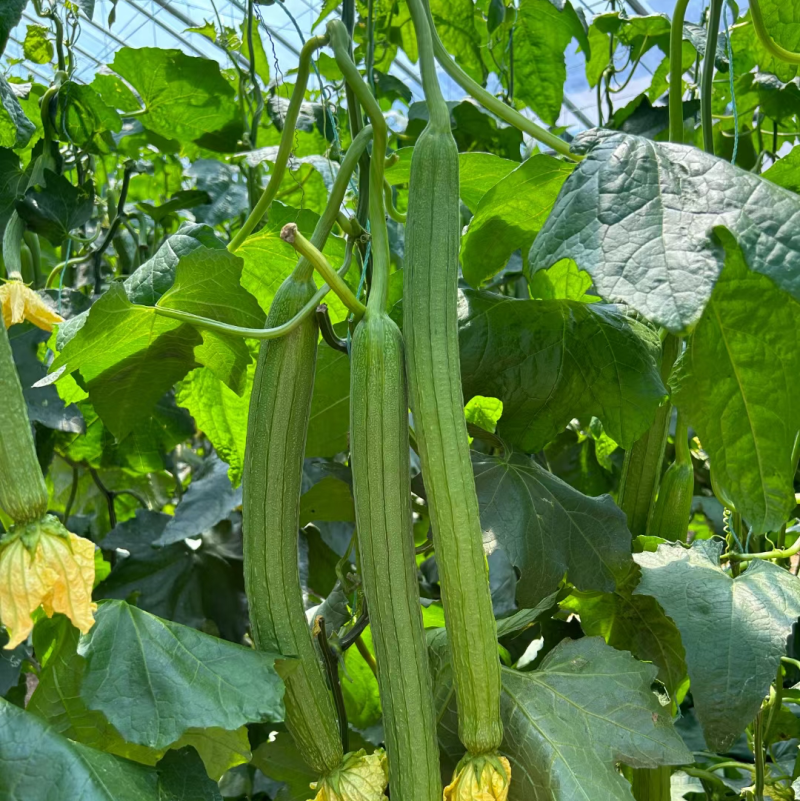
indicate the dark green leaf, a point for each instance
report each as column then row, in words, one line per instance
column 57, row 209
column 209, row 499
column 734, row 630
column 154, row 704
column 87, row 119
column 510, row 215
column 638, row 217
column 548, row 529
column 328, row 500
column 551, row 361
column 36, row 764
column 228, row 198
column 182, row 777
column 10, row 15
column 279, row 759
column 735, row 384
column 329, row 422
column 13, row 182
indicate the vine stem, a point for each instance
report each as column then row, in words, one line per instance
column 489, row 101
column 676, row 73
column 285, row 147
column 379, row 288
column 707, row 84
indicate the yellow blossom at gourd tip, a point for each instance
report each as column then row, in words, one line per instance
column 360, row 777
column 43, row 564
column 20, row 303
column 481, row 778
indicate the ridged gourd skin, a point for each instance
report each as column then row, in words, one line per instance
column 277, row 427
column 382, row 489
column 673, row 508
column 430, row 326
column 23, row 492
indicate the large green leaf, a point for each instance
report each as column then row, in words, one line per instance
column 634, row 623
column 510, row 215
column 734, row 631
column 782, row 21
column 154, row 679
column 638, row 216
column 549, row 529
column 568, row 724
column 10, row 15
column 478, row 173
column 86, row 117
column 455, row 24
column 57, row 209
column 551, row 361
column 735, row 383
column 38, row 764
column 185, row 97
column 13, row 182
column 542, row 31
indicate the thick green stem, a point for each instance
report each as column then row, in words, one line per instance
column 339, row 40
column 771, row 46
column 287, row 142
column 707, row 89
column 676, row 73
column 489, row 101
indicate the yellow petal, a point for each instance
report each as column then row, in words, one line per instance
column 20, row 303
column 481, row 778
column 42, row 564
column 361, row 777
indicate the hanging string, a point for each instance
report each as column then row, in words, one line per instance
column 729, row 6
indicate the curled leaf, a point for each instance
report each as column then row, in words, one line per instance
column 43, row 564
column 480, row 778
column 360, row 777
column 20, row 303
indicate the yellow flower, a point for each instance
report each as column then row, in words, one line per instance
column 481, row 778
column 42, row 563
column 20, row 303
column 360, row 777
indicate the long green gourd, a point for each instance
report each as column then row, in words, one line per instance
column 276, row 436
column 382, row 488
column 23, row 492
column 670, row 519
column 430, row 326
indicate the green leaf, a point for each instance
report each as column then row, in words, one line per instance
column 207, row 283
column 13, row 183
column 114, row 93
column 37, row 46
column 782, row 21
column 362, row 700
column 734, row 630
column 551, row 361
column 510, row 215
column 634, row 623
column 220, row 414
column 542, row 31
column 562, row 281
column 16, row 129
column 280, row 759
column 185, row 97
column 735, row 383
column 329, row 423
column 786, row 171
column 128, row 357
column 328, row 500
column 230, row 685
column 568, row 724
column 478, row 173
column 57, row 209
column 37, row 764
column 548, row 529
column 228, row 198
column 645, row 235
column 181, row 776
column 455, row 24
column 484, row 412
